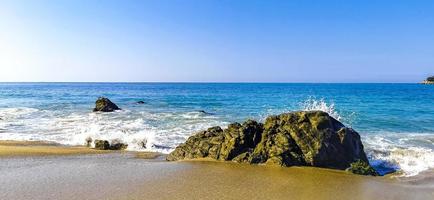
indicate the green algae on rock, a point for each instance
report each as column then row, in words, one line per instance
column 105, row 105
column 362, row 168
column 304, row 138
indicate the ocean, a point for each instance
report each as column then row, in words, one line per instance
column 396, row 121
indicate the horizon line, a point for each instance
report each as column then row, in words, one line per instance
column 202, row 82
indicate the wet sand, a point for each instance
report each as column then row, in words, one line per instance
column 10, row 148
column 213, row 180
column 118, row 175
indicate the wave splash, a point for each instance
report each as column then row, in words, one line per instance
column 312, row 104
column 408, row 153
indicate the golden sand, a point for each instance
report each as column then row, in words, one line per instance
column 9, row 148
column 40, row 148
column 213, row 180
column 27, row 143
column 115, row 176
column 147, row 155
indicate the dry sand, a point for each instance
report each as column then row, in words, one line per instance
column 122, row 176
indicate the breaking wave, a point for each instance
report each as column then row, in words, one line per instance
column 142, row 131
column 410, row 153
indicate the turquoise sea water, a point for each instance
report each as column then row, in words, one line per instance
column 396, row 121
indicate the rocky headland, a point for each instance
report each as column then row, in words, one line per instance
column 429, row 80
column 304, row 138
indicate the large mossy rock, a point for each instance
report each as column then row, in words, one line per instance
column 305, row 138
column 103, row 104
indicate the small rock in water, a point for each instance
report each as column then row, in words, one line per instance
column 102, row 145
column 140, row 102
column 118, row 145
column 204, row 112
column 105, row 145
column 105, row 105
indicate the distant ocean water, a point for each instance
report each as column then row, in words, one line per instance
column 396, row 121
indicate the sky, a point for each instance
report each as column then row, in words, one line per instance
column 216, row 41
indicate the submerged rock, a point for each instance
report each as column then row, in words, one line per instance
column 105, row 145
column 204, row 112
column 305, row 138
column 140, row 102
column 105, row 105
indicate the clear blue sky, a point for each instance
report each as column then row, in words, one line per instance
column 217, row 41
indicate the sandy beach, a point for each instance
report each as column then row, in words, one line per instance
column 47, row 171
column 216, row 100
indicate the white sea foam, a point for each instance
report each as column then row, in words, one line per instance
column 411, row 153
column 15, row 113
column 163, row 131
column 140, row 130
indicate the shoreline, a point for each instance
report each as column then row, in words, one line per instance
column 13, row 148
column 52, row 171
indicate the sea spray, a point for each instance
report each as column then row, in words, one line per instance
column 346, row 117
column 312, row 104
